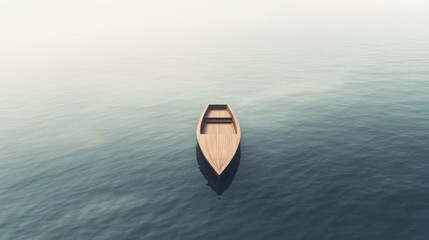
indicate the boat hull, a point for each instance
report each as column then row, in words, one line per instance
column 218, row 183
column 218, row 136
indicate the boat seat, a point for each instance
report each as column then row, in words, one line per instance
column 218, row 119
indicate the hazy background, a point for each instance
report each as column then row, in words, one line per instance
column 37, row 34
column 61, row 36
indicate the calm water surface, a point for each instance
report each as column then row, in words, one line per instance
column 98, row 137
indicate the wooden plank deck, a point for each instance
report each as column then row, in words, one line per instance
column 218, row 128
column 215, row 113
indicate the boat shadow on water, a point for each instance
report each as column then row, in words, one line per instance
column 218, row 183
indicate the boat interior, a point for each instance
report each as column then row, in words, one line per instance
column 218, row 119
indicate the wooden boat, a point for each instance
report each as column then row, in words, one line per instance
column 218, row 136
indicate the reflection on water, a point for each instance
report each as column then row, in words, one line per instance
column 218, row 183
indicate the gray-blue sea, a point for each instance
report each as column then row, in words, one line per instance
column 99, row 103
